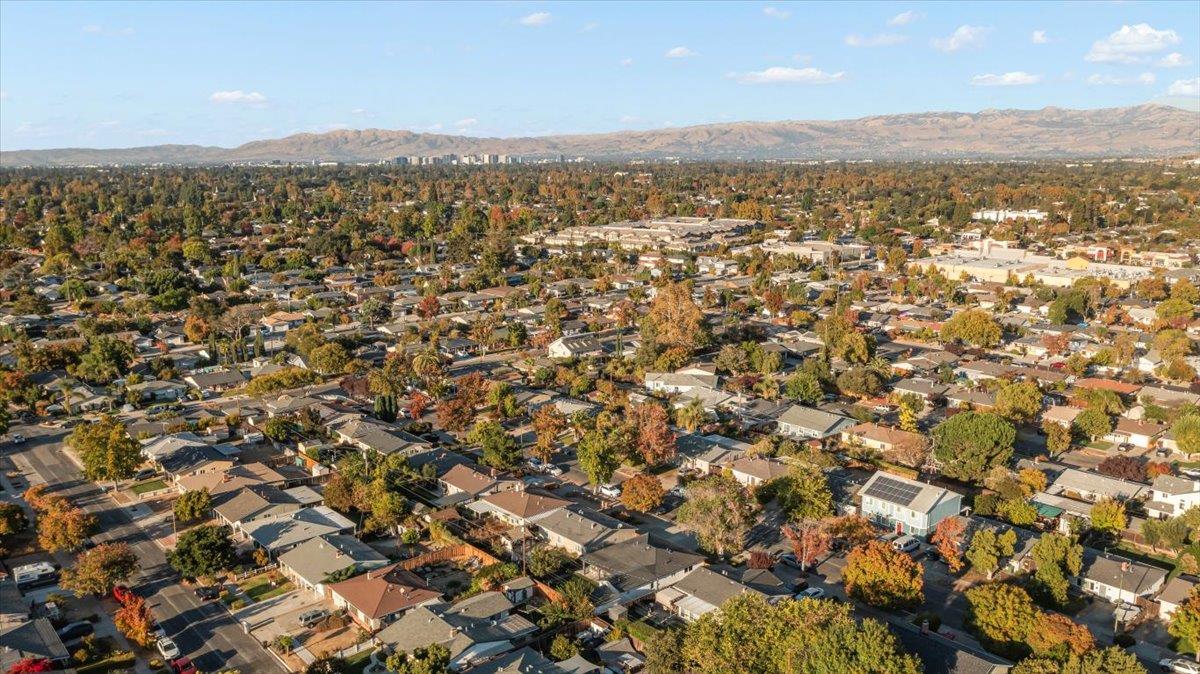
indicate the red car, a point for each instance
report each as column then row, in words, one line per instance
column 183, row 666
column 123, row 594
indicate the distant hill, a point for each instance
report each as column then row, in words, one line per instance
column 1142, row 131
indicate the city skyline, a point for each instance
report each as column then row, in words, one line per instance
column 133, row 74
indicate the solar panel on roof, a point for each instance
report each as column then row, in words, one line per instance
column 893, row 491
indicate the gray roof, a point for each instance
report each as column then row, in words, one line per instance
column 35, row 638
column 583, row 526
column 711, row 587
column 901, row 491
column 278, row 533
column 1131, row 576
column 814, row 419
column 1087, row 482
column 1175, row 485
column 637, row 562
column 524, row 661
column 316, row 558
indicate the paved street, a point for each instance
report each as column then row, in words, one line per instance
column 204, row 631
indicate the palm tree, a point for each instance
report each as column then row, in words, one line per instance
column 691, row 416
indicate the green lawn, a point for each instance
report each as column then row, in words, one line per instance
column 1100, row 444
column 148, row 486
column 358, row 661
column 259, row 588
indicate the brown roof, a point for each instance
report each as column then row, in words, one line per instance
column 465, row 478
column 236, row 477
column 1108, row 385
column 883, row 434
column 385, row 591
column 523, row 504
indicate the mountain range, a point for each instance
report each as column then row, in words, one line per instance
column 1149, row 130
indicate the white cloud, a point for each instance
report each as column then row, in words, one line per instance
column 881, row 40
column 628, row 119
column 97, row 29
column 785, row 75
column 964, row 36
column 466, row 123
column 903, row 18
column 435, row 127
column 1174, row 60
column 1131, row 44
column 589, row 27
column 626, row 62
column 1185, row 87
column 776, row 13
column 1016, row 78
column 358, row 111
column 1110, row 80
column 239, row 97
column 535, row 19
column 1038, row 37
column 680, row 53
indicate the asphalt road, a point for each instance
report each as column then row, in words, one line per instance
column 204, row 631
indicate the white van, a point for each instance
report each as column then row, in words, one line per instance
column 35, row 575
column 906, row 544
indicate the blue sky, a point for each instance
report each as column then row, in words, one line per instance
column 126, row 74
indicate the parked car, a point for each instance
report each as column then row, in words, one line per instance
column 183, row 666
column 610, row 491
column 1179, row 666
column 143, row 474
column 789, row 559
column 207, row 592
column 312, row 617
column 76, row 630
column 17, row 439
column 906, row 544
column 811, row 593
column 167, row 648
column 123, row 594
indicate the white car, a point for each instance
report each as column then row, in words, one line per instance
column 1179, row 666
column 610, row 491
column 811, row 593
column 167, row 648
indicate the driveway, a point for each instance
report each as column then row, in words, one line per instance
column 278, row 615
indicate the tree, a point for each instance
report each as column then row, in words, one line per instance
column 548, row 423
column 655, row 439
column 969, row 444
column 879, row 575
column 63, row 527
column 675, row 318
column 854, row 530
column 719, row 511
column 642, row 493
column 573, row 603
column 1001, row 615
column 691, row 416
column 500, row 449
column 332, row 664
column 1020, row 402
column 547, row 560
column 96, row 571
column 1093, row 423
column 106, row 450
column 203, row 551
column 562, row 648
column 804, row 387
column 948, row 537
column 597, row 456
column 1111, row 660
column 106, row 359
column 1058, row 437
column 987, row 548
column 861, row 381
column 1123, row 467
column 1185, row 621
column 133, row 619
column 1058, row 558
column 973, row 326
column 750, row 636
column 1108, row 517
column 1186, row 431
column 810, row 540
column 804, row 493
column 192, row 505
column 431, row 659
column 329, row 358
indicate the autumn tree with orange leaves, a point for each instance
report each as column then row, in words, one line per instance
column 947, row 538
